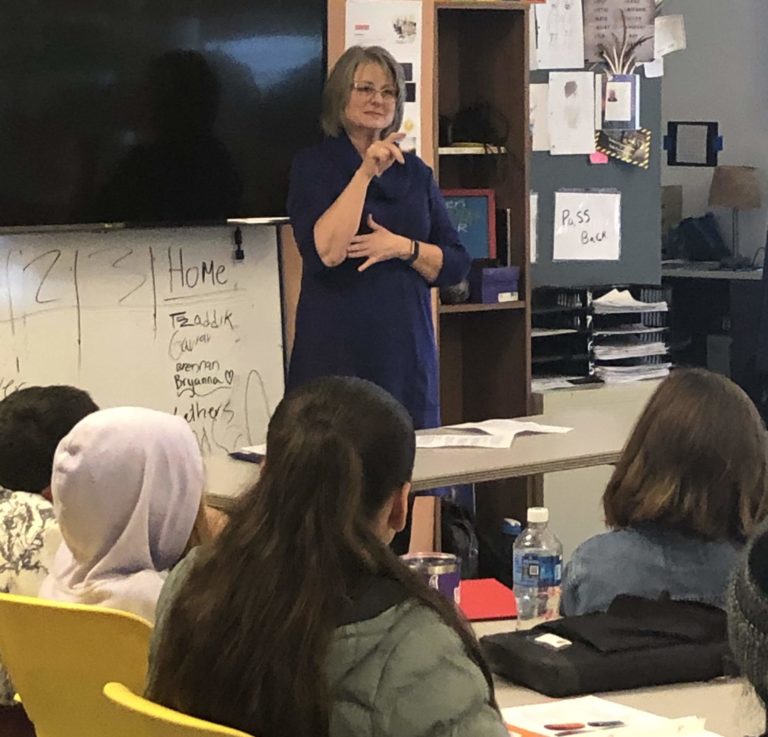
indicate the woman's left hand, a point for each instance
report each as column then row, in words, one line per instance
column 378, row 245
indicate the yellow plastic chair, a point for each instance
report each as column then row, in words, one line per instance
column 134, row 716
column 60, row 656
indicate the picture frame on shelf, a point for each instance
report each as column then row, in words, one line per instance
column 473, row 214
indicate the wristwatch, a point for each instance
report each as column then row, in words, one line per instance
column 415, row 245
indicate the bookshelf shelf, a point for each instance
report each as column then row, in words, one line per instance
column 468, row 307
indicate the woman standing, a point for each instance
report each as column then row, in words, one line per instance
column 374, row 236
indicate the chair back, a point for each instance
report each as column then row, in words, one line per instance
column 134, row 716
column 59, row 656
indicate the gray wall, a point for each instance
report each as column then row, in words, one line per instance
column 722, row 76
column 640, row 209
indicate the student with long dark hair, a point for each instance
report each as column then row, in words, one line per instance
column 299, row 620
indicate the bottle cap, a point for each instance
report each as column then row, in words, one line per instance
column 537, row 515
column 511, row 526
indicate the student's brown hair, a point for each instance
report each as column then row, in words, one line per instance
column 247, row 637
column 696, row 461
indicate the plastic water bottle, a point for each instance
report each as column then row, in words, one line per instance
column 510, row 530
column 537, row 571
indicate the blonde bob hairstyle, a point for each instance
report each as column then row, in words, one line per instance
column 695, row 462
column 338, row 87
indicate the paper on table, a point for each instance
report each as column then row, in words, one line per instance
column 632, row 722
column 252, row 450
column 487, row 434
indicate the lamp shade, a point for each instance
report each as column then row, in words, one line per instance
column 735, row 186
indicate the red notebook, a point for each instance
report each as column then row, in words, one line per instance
column 486, row 598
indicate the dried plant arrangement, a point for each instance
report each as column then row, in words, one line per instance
column 619, row 58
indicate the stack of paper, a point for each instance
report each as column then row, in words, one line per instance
column 488, row 434
column 635, row 328
column 634, row 350
column 591, row 715
column 547, row 383
column 627, row 374
column 620, row 300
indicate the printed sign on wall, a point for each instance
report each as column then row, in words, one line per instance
column 587, row 226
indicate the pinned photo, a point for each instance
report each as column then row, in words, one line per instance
column 632, row 147
column 405, row 29
column 621, row 102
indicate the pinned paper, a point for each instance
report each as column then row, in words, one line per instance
column 533, row 213
column 654, row 69
column 604, row 23
column 631, row 147
column 598, row 101
column 621, row 102
column 560, row 35
column 587, row 226
column 538, row 101
column 670, row 35
column 396, row 26
column 533, row 62
column 571, row 113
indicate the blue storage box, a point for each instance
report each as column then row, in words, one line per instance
column 492, row 284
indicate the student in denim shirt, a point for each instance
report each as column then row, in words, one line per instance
column 689, row 488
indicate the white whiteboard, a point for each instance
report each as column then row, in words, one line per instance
column 157, row 318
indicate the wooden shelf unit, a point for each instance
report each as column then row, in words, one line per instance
column 480, row 57
column 473, row 307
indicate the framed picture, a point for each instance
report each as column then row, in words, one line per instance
column 473, row 214
column 692, row 143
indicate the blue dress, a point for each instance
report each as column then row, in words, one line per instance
column 377, row 324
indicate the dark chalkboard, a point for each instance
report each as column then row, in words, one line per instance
column 472, row 212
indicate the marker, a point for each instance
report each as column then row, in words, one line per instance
column 566, row 725
column 613, row 723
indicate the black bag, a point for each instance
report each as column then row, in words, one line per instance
column 637, row 642
column 457, row 530
column 697, row 239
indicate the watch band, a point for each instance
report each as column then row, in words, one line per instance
column 414, row 252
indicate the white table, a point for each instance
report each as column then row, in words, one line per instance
column 729, row 706
column 691, row 271
column 597, row 438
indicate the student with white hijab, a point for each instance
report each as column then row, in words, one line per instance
column 127, row 490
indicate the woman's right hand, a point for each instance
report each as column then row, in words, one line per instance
column 380, row 155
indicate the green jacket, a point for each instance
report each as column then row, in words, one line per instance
column 396, row 672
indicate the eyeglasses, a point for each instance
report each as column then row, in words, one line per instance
column 368, row 92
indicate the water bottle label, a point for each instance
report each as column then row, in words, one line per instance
column 534, row 569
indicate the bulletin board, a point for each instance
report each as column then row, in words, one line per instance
column 640, row 258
